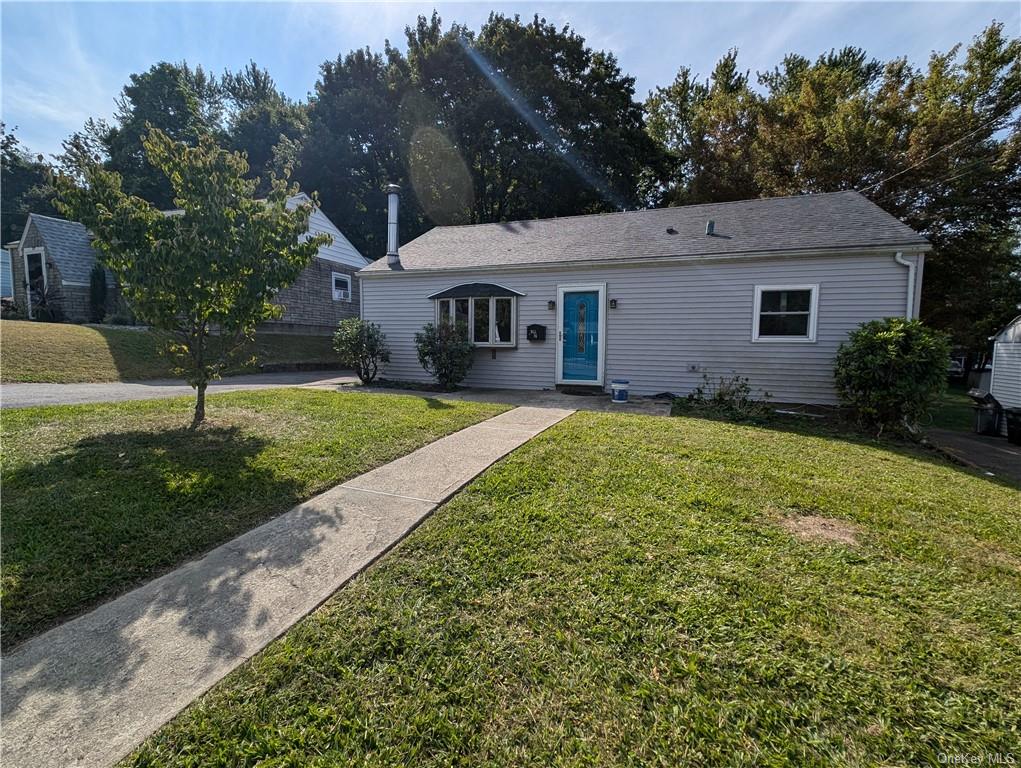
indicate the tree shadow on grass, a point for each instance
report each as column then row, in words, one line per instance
column 831, row 428
column 120, row 508
column 437, row 404
column 137, row 352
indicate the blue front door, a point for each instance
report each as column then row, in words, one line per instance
column 579, row 346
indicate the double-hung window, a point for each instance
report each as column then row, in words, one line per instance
column 490, row 320
column 785, row 312
column 341, row 286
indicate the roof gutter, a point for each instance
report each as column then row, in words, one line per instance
column 909, row 309
column 877, row 250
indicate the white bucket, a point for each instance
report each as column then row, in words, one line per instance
column 620, row 390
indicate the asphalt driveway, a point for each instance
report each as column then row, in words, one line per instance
column 25, row 395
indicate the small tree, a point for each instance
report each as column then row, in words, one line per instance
column 892, row 372
column 446, row 352
column 210, row 268
column 362, row 346
column 97, row 294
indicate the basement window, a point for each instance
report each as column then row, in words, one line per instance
column 785, row 313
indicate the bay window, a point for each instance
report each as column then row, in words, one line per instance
column 488, row 312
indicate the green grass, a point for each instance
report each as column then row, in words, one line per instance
column 619, row 592
column 99, row 497
column 63, row 353
column 955, row 410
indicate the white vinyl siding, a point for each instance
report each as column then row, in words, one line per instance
column 1005, row 382
column 672, row 324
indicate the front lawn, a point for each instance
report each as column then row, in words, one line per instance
column 99, row 497
column 63, row 353
column 630, row 590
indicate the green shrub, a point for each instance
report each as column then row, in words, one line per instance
column 892, row 372
column 724, row 398
column 446, row 352
column 362, row 346
column 97, row 294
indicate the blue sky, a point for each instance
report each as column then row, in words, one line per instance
column 64, row 62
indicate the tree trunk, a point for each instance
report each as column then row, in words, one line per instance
column 200, row 405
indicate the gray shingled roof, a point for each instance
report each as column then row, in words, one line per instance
column 825, row 222
column 67, row 245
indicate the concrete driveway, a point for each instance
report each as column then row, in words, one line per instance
column 25, row 395
column 993, row 455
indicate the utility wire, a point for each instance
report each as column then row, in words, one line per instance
column 961, row 170
column 939, row 151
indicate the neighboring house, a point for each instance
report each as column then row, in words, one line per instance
column 766, row 289
column 57, row 257
column 6, row 282
column 1005, row 379
column 51, row 266
column 325, row 292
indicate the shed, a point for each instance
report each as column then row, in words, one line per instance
column 1005, row 381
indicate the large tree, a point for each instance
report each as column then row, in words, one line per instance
column 205, row 274
column 707, row 129
column 259, row 118
column 520, row 120
column 26, row 185
column 940, row 148
column 184, row 103
column 352, row 147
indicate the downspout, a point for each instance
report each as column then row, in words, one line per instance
column 910, row 308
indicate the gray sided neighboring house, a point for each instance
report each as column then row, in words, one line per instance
column 767, row 291
column 51, row 267
column 58, row 258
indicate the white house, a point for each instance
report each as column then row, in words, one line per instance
column 1005, row 379
column 766, row 289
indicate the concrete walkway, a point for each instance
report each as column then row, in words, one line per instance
column 25, row 395
column 536, row 398
column 89, row 691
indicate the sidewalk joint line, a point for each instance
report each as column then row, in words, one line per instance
column 394, row 495
column 484, row 425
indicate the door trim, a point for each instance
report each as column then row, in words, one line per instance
column 41, row 253
column 600, row 288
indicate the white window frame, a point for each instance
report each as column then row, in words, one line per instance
column 41, row 253
column 813, row 314
column 492, row 318
column 333, row 286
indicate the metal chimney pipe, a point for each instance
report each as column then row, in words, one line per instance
column 393, row 197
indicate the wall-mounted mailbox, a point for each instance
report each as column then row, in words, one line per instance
column 537, row 332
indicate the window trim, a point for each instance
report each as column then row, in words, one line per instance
column 492, row 318
column 813, row 314
column 333, row 286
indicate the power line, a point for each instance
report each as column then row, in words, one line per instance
column 961, row 170
column 939, row 151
